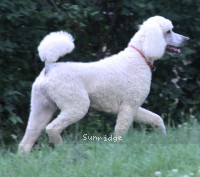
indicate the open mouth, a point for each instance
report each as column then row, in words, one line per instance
column 172, row 50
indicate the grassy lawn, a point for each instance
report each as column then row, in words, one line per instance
column 139, row 155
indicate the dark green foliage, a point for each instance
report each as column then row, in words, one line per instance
column 175, row 92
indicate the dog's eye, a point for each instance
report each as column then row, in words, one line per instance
column 168, row 32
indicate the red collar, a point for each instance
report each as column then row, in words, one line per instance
column 152, row 67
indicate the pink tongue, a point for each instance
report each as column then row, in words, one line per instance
column 173, row 49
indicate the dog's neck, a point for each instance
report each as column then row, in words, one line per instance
column 138, row 41
column 148, row 62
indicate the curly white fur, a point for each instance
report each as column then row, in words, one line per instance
column 118, row 84
column 55, row 45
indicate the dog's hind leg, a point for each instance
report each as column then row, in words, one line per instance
column 71, row 112
column 148, row 117
column 42, row 110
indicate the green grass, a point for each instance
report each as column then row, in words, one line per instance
column 139, row 155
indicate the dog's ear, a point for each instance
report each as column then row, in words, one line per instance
column 154, row 43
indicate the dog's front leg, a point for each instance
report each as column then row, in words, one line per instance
column 124, row 120
column 148, row 117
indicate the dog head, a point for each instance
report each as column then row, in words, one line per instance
column 155, row 36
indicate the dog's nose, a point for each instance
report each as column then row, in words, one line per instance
column 187, row 39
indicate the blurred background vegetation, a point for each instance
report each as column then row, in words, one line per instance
column 175, row 91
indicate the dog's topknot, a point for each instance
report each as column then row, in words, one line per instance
column 55, row 45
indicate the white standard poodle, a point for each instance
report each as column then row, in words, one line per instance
column 118, row 84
